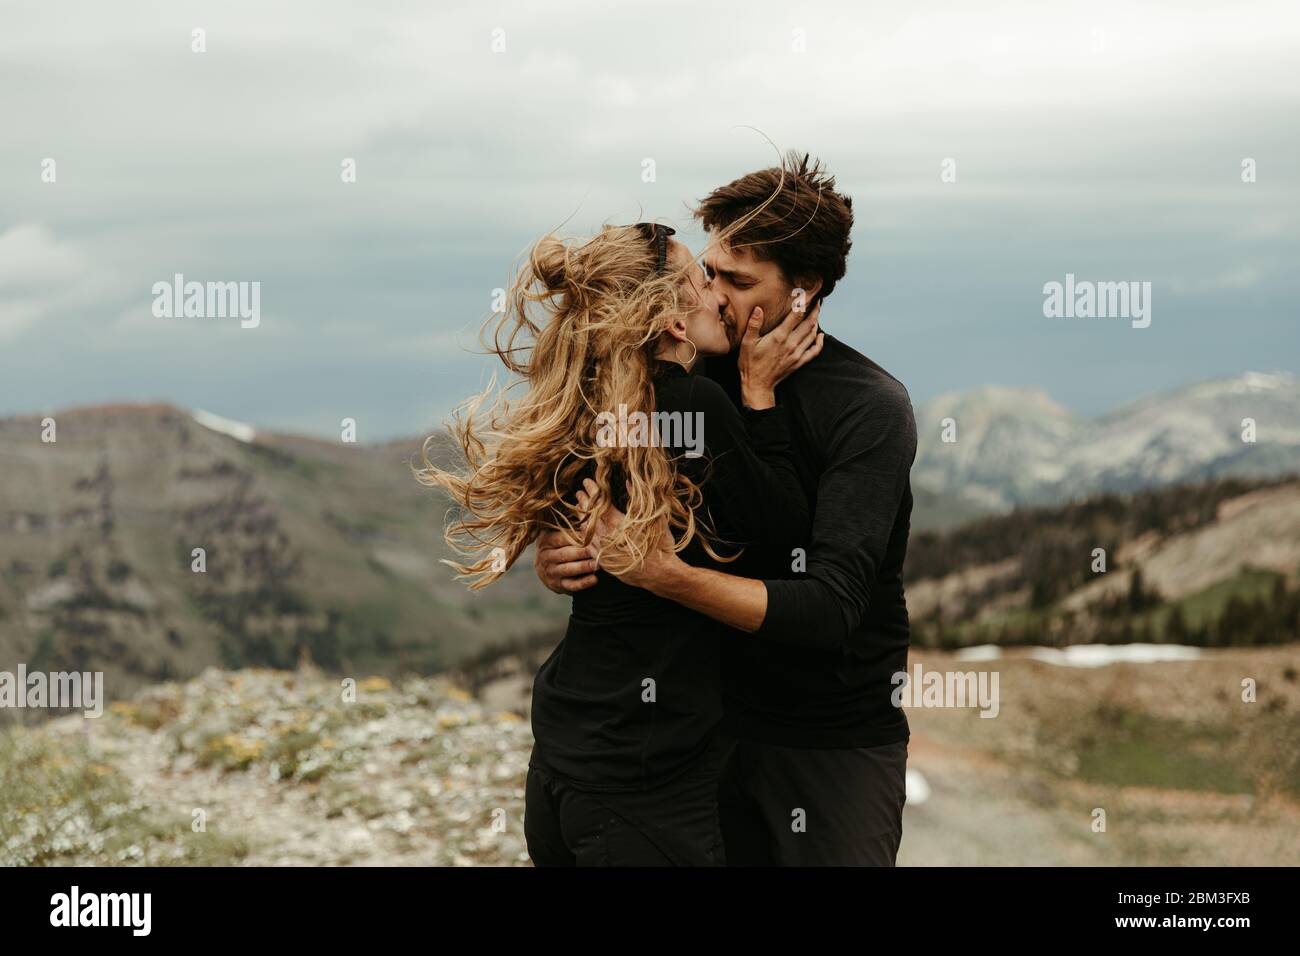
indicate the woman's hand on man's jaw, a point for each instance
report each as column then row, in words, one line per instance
column 766, row 359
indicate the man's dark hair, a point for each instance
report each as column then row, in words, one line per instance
column 789, row 214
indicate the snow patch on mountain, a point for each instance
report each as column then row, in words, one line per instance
column 226, row 426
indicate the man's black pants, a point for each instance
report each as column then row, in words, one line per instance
column 785, row 806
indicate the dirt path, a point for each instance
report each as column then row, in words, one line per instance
column 980, row 813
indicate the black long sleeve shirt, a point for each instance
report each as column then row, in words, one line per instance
column 817, row 673
column 632, row 695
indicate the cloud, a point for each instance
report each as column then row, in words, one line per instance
column 1094, row 136
column 41, row 276
column 1236, row 278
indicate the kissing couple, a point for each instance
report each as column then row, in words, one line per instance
column 722, row 693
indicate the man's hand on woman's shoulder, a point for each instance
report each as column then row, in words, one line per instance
column 657, row 566
column 564, row 567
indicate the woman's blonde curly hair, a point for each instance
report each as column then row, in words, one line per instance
column 591, row 350
column 603, row 307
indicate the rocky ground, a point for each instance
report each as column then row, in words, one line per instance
column 263, row 767
column 279, row 769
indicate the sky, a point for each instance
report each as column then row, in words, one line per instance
column 989, row 148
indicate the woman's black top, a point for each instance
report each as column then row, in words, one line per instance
column 631, row 697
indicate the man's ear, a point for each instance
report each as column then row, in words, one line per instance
column 810, row 289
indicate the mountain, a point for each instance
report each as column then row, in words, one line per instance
column 314, row 549
column 1213, row 564
column 1016, row 446
column 330, row 552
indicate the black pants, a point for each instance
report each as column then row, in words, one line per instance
column 783, row 806
column 673, row 825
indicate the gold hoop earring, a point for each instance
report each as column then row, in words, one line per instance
column 694, row 353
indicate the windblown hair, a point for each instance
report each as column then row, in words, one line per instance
column 591, row 349
column 789, row 214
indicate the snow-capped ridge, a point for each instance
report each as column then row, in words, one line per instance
column 1017, row 446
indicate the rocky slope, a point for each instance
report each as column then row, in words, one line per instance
column 328, row 551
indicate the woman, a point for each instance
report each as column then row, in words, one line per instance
column 625, row 712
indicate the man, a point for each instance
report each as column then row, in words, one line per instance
column 817, row 773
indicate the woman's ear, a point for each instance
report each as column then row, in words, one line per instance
column 677, row 329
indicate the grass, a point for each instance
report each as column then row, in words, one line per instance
column 1136, row 762
column 1125, row 747
column 1205, row 607
column 59, row 807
